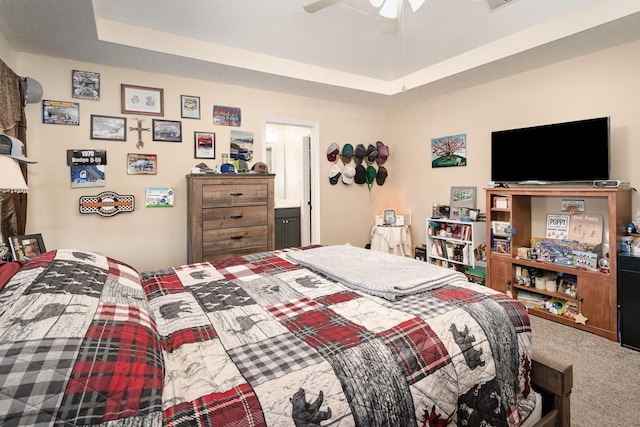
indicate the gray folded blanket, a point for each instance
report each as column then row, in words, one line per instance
column 377, row 273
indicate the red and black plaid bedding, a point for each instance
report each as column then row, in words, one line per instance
column 252, row 341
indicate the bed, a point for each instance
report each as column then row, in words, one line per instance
column 314, row 336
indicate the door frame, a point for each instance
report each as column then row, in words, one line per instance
column 314, row 185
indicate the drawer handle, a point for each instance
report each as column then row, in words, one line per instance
column 236, row 237
column 237, row 194
column 236, row 216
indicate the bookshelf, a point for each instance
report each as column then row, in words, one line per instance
column 452, row 243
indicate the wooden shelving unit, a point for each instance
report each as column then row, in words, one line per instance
column 597, row 290
column 467, row 239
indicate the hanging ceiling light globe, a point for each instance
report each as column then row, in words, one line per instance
column 389, row 8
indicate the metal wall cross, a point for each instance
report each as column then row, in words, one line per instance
column 139, row 129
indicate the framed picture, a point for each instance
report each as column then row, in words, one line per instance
column 86, row 85
column 501, row 228
column 204, row 145
column 557, row 226
column 60, row 112
column 190, row 107
column 502, row 246
column 449, row 151
column 389, row 217
column 463, row 197
column 141, row 100
column 568, row 287
column 110, row 128
column 26, row 247
column 142, row 164
column 167, row 130
column 455, row 213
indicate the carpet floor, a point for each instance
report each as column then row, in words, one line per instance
column 606, row 376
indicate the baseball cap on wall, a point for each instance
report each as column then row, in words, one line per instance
column 372, row 154
column 383, row 152
column 382, row 175
column 332, row 152
column 359, row 154
column 347, row 174
column 361, row 175
column 12, row 147
column 371, row 176
column 334, row 174
column 347, row 153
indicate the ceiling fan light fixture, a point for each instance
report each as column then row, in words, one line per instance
column 376, row 3
column 416, row 4
column 390, row 9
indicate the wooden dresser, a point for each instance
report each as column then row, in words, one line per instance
column 229, row 215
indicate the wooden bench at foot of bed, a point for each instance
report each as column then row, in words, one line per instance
column 553, row 379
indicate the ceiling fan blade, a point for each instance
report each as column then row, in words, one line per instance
column 320, row 4
column 390, row 26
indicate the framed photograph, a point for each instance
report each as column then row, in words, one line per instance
column 463, row 197
column 142, row 164
column 26, row 247
column 190, row 107
column 204, row 145
column 502, row 246
column 389, row 217
column 501, row 228
column 455, row 213
column 474, row 214
column 60, row 113
column 568, row 287
column 167, row 130
column 86, row 85
column 141, row 100
column 107, row 127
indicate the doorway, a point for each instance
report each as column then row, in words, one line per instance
column 290, row 149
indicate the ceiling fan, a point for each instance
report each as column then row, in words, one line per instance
column 390, row 10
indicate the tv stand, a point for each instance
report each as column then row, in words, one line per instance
column 596, row 294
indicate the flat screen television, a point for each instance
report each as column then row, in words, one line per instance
column 570, row 152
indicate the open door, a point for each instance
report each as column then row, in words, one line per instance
column 291, row 150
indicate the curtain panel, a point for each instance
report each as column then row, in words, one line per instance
column 13, row 122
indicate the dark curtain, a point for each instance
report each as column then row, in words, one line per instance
column 13, row 122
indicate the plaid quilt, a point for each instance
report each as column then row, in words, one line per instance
column 252, row 341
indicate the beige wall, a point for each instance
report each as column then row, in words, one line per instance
column 156, row 238
column 601, row 84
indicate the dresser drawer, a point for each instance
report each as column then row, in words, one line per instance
column 216, row 255
column 231, row 239
column 229, row 215
column 216, row 195
column 241, row 216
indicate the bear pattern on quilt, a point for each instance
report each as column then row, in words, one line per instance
column 254, row 340
column 272, row 343
column 78, row 344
